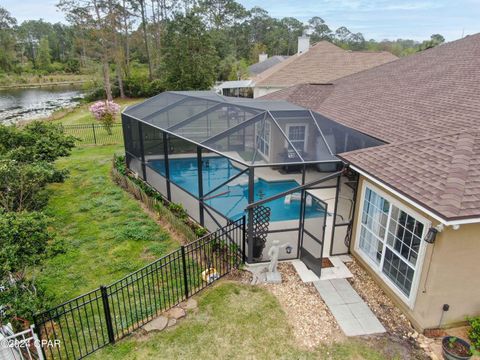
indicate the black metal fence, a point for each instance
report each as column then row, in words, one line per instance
column 100, row 317
column 95, row 134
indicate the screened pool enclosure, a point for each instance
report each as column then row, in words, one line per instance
column 222, row 157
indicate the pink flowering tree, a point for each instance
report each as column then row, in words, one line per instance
column 105, row 111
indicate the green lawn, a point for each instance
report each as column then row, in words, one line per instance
column 106, row 233
column 81, row 114
column 235, row 322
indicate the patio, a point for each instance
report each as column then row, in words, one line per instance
column 221, row 158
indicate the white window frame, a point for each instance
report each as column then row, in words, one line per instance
column 264, row 139
column 377, row 268
column 287, row 133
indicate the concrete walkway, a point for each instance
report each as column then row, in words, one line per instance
column 352, row 314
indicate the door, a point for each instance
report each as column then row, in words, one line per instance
column 314, row 213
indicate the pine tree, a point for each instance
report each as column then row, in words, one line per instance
column 44, row 58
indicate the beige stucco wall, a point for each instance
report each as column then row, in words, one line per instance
column 450, row 274
column 260, row 91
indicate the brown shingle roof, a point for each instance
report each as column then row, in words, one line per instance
column 442, row 173
column 426, row 94
column 428, row 107
column 322, row 63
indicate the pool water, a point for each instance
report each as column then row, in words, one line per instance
column 232, row 199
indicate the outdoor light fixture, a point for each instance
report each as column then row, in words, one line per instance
column 288, row 249
column 431, row 235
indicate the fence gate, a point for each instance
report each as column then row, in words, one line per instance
column 312, row 233
column 19, row 346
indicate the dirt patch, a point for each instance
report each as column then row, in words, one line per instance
column 312, row 322
column 326, row 263
column 394, row 347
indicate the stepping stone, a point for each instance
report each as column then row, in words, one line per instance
column 190, row 304
column 171, row 322
column 176, row 313
column 157, row 324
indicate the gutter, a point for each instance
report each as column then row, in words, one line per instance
column 415, row 204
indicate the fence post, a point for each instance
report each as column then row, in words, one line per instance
column 108, row 316
column 38, row 336
column 185, row 277
column 244, row 239
column 94, row 135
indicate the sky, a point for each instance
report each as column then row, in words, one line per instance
column 376, row 19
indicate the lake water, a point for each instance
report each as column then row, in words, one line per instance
column 32, row 103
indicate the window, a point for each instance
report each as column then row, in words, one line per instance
column 391, row 240
column 297, row 135
column 263, row 138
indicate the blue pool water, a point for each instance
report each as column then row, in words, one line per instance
column 231, row 200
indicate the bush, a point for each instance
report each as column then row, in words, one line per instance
column 38, row 141
column 141, row 86
column 24, row 237
column 474, row 332
column 22, row 185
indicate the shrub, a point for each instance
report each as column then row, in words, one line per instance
column 24, row 237
column 38, row 141
column 474, row 332
column 105, row 111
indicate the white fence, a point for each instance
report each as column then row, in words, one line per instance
column 20, row 346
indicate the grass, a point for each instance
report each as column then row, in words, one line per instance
column 14, row 80
column 106, row 233
column 81, row 114
column 233, row 322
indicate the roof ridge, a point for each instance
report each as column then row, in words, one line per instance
column 458, row 171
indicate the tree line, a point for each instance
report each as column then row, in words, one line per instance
column 142, row 47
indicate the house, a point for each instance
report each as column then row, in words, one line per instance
column 322, row 63
column 244, row 87
column 416, row 227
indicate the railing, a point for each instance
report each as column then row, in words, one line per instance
column 22, row 346
column 100, row 317
column 95, row 134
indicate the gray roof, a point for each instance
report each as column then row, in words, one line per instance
column 260, row 67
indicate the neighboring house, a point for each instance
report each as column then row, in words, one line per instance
column 320, row 64
column 244, row 88
column 416, row 227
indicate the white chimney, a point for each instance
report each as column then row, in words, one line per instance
column 262, row 57
column 303, row 44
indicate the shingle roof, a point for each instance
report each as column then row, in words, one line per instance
column 427, row 106
column 260, row 67
column 322, row 63
column 425, row 94
column 442, row 173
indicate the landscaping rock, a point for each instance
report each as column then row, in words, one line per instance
column 190, row 304
column 157, row 324
column 171, row 322
column 176, row 313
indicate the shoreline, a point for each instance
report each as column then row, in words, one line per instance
column 44, row 84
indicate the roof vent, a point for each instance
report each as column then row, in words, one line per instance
column 262, row 57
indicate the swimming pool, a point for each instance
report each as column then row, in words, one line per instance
column 232, row 199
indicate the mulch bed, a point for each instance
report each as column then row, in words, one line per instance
column 312, row 322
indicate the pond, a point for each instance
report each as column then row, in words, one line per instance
column 32, row 103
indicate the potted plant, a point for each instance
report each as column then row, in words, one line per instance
column 455, row 348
